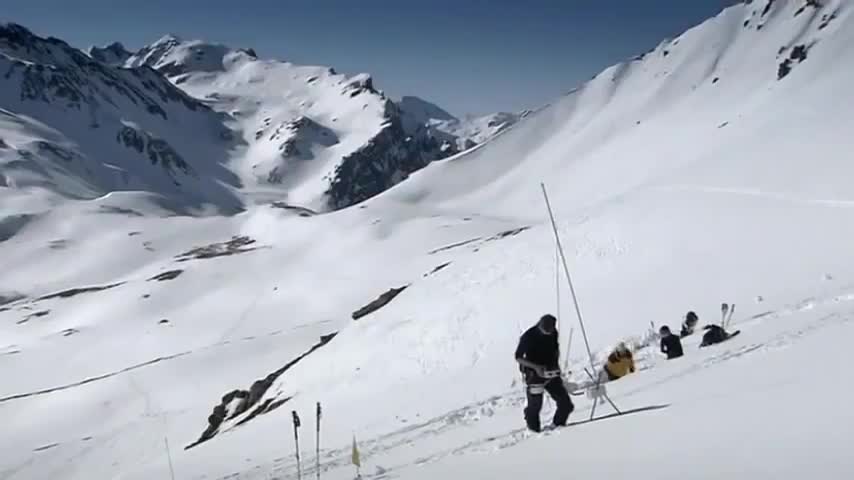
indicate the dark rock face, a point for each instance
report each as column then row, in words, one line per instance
column 385, row 161
column 77, row 291
column 798, row 54
column 378, row 303
column 237, row 245
column 240, row 401
column 157, row 150
column 169, row 275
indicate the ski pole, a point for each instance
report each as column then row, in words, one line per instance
column 296, row 442
column 317, row 446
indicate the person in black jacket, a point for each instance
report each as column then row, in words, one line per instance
column 671, row 345
column 689, row 324
column 538, row 356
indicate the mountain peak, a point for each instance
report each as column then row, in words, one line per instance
column 423, row 109
column 112, row 54
column 173, row 56
column 168, row 39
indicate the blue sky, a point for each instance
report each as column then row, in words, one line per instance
column 468, row 56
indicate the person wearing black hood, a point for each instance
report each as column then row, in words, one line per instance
column 671, row 345
column 538, row 355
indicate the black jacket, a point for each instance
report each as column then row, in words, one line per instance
column 540, row 348
column 671, row 346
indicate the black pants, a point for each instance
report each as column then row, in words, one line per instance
column 558, row 393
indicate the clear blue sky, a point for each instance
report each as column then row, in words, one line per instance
column 468, row 56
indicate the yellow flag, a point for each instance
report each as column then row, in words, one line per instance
column 355, row 457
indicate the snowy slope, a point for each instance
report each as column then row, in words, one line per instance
column 673, row 191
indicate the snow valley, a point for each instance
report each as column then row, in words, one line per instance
column 196, row 242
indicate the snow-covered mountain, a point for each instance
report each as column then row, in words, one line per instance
column 712, row 169
column 226, row 129
column 79, row 128
column 466, row 133
column 311, row 136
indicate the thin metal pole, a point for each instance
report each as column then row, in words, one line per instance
column 557, row 288
column 568, row 276
column 169, row 456
column 568, row 347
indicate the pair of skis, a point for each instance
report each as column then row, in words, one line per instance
column 726, row 314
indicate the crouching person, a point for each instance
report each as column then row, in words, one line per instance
column 538, row 356
column 620, row 363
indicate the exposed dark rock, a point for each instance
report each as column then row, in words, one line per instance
column 31, row 316
column 798, row 54
column 360, row 84
column 438, row 268
column 453, row 245
column 302, row 211
column 508, row 233
column 384, row 161
column 826, row 19
column 170, row 275
column 60, row 244
column 69, row 332
column 77, row 291
column 238, row 244
column 159, row 152
column 767, row 7
column 240, row 401
column 808, row 3
column 379, row 302
column 89, row 380
column 46, row 447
